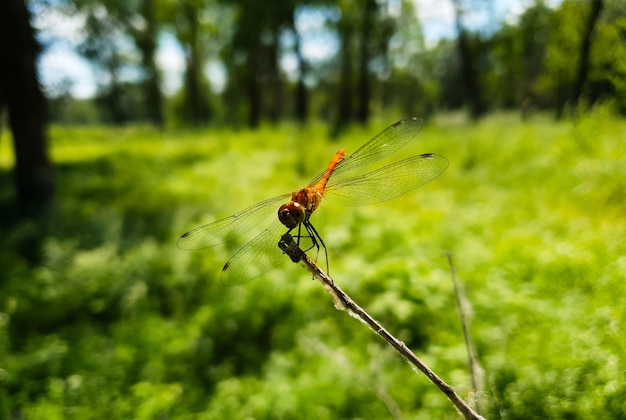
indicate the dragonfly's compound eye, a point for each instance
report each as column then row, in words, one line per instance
column 291, row 215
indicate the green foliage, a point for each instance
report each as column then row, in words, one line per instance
column 102, row 316
column 609, row 74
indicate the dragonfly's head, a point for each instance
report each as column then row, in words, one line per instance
column 292, row 214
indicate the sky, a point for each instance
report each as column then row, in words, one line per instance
column 59, row 63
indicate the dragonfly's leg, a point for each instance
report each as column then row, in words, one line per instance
column 314, row 242
column 315, row 236
column 309, row 235
column 299, row 235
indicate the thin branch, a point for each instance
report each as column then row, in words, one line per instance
column 475, row 370
column 343, row 301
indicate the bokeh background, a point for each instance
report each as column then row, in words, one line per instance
column 127, row 123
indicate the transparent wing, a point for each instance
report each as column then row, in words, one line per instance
column 261, row 254
column 381, row 146
column 231, row 227
column 387, row 182
column 256, row 257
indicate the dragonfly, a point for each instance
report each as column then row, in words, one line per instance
column 294, row 210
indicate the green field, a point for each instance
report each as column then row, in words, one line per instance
column 102, row 316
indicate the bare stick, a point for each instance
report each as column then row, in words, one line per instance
column 462, row 304
column 343, row 301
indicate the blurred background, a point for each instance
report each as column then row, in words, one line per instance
column 241, row 63
column 124, row 124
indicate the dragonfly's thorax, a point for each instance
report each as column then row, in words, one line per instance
column 303, row 203
column 308, row 198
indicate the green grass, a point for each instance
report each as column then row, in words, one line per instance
column 101, row 316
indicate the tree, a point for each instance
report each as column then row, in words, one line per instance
column 516, row 56
column 145, row 36
column 20, row 92
column 607, row 76
column 104, row 31
column 562, row 50
column 245, row 57
column 585, row 48
column 364, row 30
column 409, row 69
column 301, row 95
column 368, row 12
column 109, row 24
column 346, row 27
column 469, row 73
column 191, row 32
column 255, row 79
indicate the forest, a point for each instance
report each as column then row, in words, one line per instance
column 140, row 274
column 340, row 61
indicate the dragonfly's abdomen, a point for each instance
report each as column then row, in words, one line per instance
column 321, row 184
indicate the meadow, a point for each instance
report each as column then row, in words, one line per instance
column 102, row 316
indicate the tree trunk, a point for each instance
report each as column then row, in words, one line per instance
column 301, row 99
column 192, row 76
column 468, row 71
column 20, row 91
column 253, row 89
column 114, row 93
column 344, row 109
column 364, row 80
column 196, row 103
column 274, row 81
column 148, row 45
column 585, row 47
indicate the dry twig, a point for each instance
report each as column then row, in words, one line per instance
column 343, row 301
column 462, row 306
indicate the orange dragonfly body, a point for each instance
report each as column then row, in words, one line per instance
column 262, row 253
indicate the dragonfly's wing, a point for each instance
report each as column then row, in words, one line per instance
column 381, row 146
column 387, row 182
column 231, row 227
column 256, row 257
